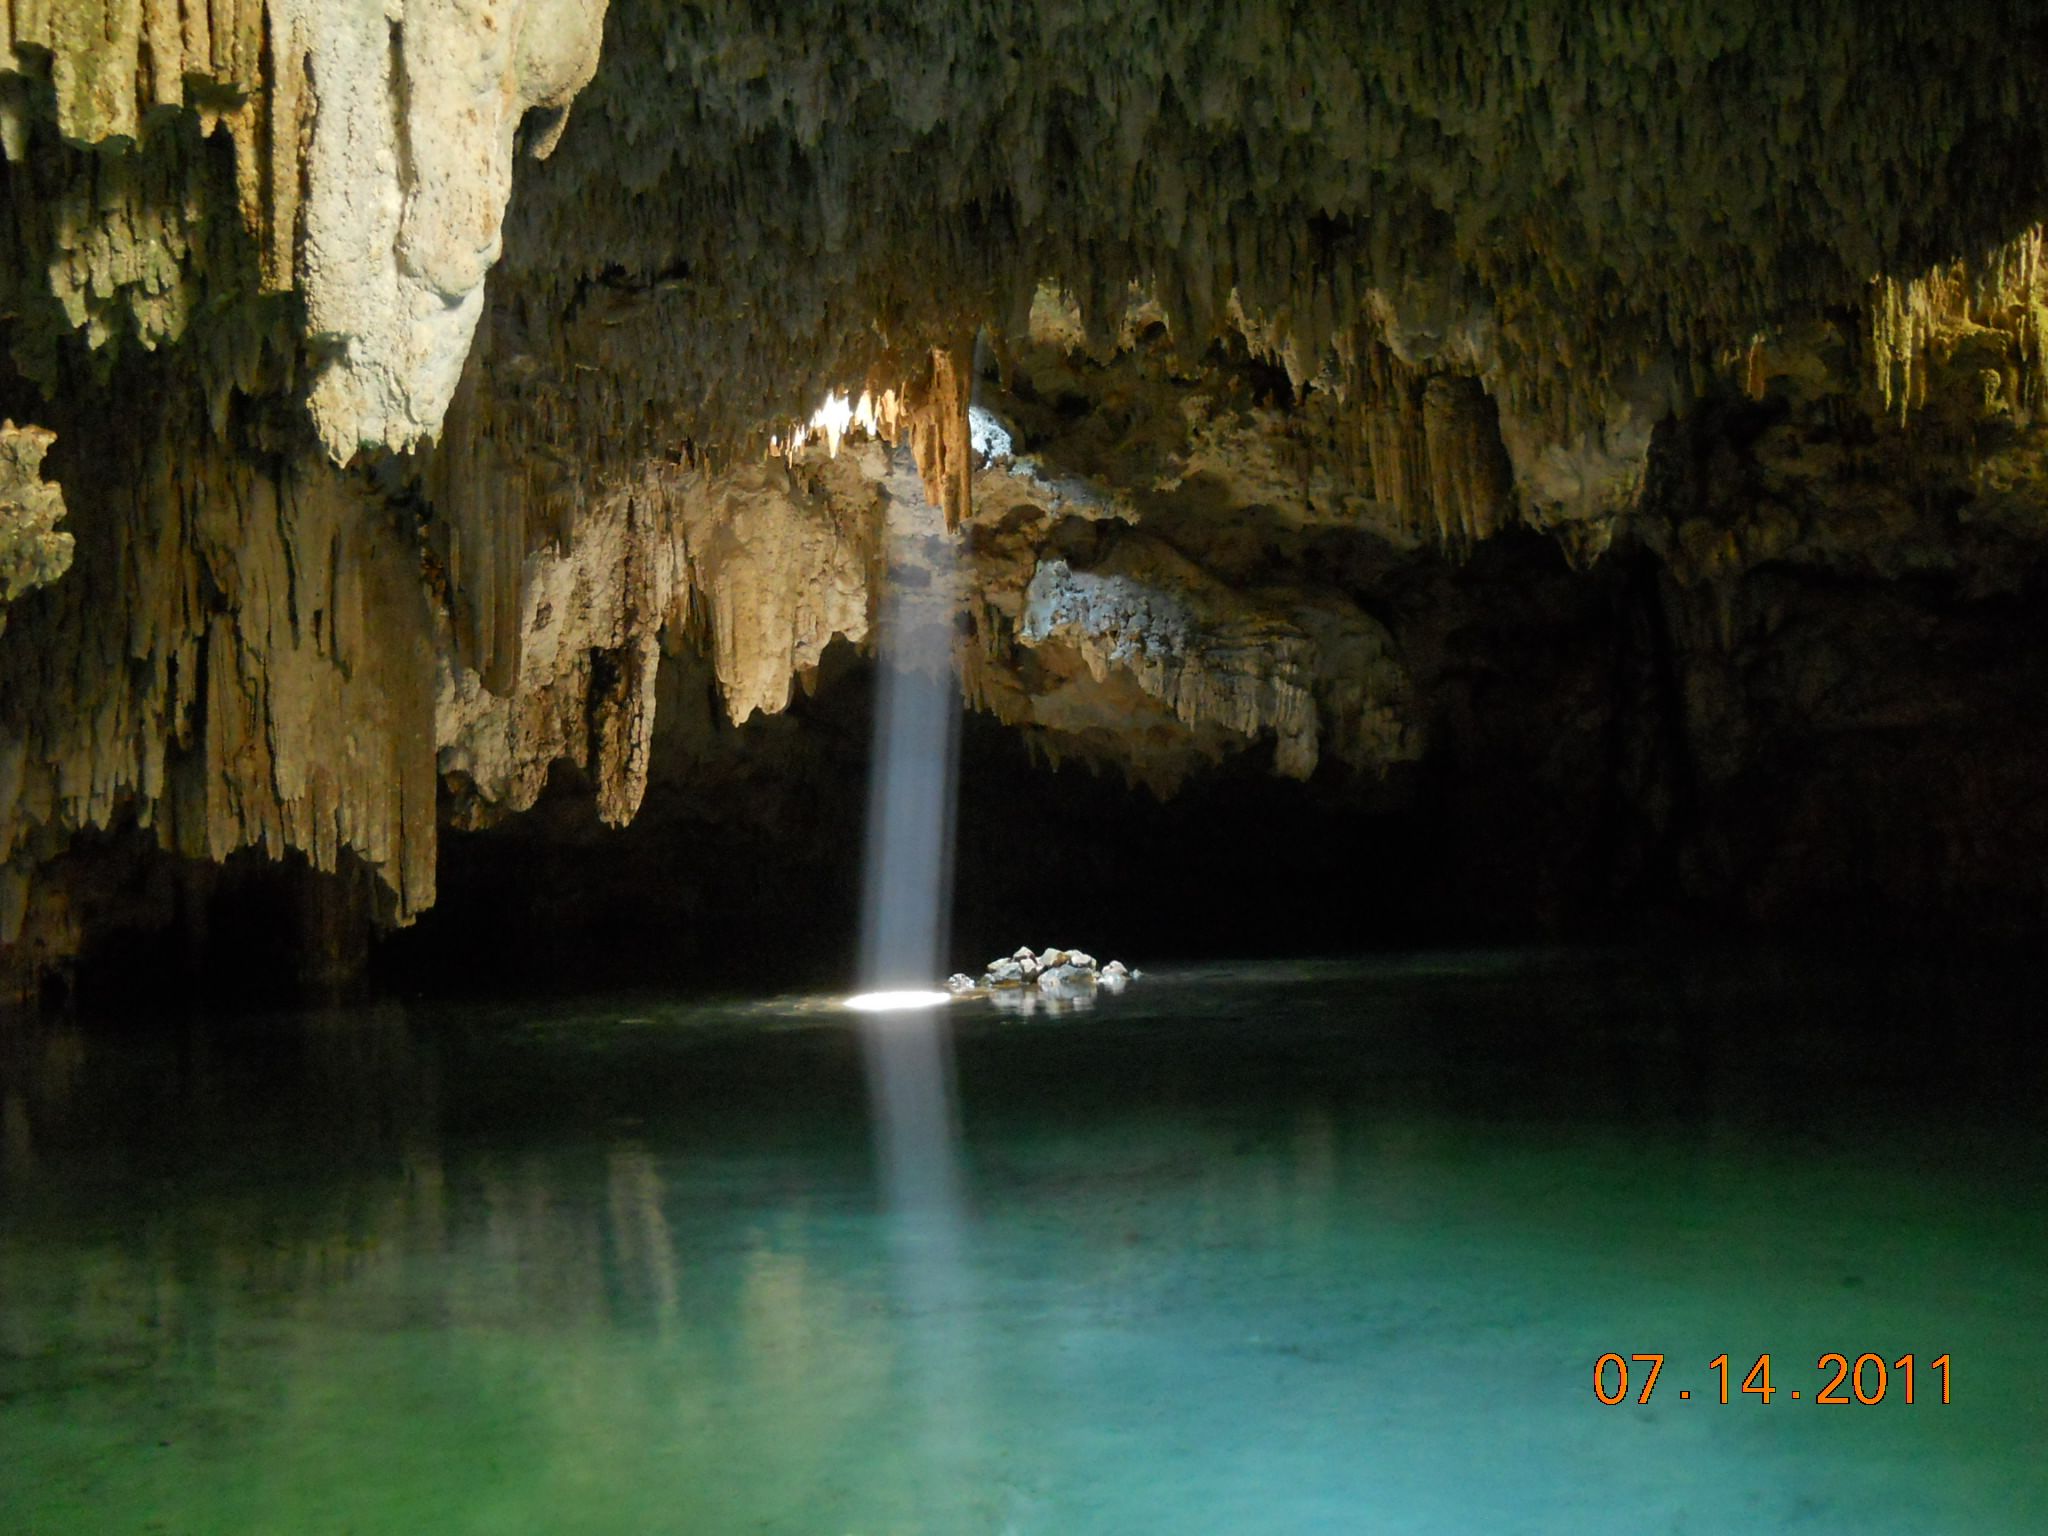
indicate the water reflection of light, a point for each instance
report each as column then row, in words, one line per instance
column 896, row 1002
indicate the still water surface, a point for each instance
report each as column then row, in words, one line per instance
column 1292, row 1248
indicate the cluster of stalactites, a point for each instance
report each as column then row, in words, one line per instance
column 1913, row 320
column 1622, row 193
column 373, row 150
column 238, row 657
column 114, row 67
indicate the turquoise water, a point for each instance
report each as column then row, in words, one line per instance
column 1255, row 1249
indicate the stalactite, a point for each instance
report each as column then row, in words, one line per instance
column 1395, row 439
column 1470, row 491
column 1914, row 322
column 939, row 439
column 762, row 566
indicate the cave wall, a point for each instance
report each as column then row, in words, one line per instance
column 1598, row 450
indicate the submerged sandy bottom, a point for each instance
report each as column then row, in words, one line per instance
column 1281, row 1249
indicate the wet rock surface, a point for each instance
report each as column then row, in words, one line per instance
column 1054, row 977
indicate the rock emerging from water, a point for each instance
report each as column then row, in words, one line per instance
column 1059, row 975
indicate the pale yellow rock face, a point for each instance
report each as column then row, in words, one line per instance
column 763, row 567
column 409, row 170
column 374, row 142
column 33, row 550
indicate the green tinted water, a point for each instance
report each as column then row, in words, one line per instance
column 1282, row 1249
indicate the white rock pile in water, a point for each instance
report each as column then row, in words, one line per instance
column 1065, row 975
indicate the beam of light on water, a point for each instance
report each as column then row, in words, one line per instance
column 906, row 898
column 908, row 881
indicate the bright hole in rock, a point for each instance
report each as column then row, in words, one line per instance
column 839, row 415
column 833, row 418
column 876, row 415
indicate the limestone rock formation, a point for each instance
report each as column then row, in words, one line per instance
column 764, row 567
column 1155, row 619
column 1237, row 347
column 239, row 657
column 33, row 550
column 408, row 169
column 373, row 149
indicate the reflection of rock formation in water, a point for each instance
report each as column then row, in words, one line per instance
column 297, row 1256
